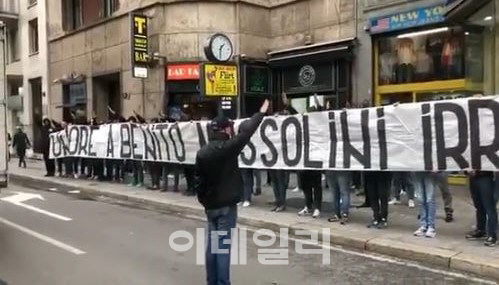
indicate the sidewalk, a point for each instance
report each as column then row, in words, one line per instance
column 449, row 249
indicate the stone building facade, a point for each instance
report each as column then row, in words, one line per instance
column 90, row 54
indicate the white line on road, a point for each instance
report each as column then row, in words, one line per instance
column 392, row 261
column 20, row 197
column 42, row 237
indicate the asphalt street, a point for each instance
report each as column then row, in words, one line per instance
column 63, row 239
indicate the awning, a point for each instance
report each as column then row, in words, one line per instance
column 458, row 10
column 320, row 52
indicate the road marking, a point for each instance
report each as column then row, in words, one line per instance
column 44, row 238
column 392, row 261
column 74, row 192
column 18, row 199
column 52, row 189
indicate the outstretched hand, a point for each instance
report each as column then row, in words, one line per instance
column 265, row 106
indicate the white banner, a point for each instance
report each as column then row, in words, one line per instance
column 444, row 135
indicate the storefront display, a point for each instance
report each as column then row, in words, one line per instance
column 322, row 69
column 426, row 57
column 185, row 101
column 256, row 86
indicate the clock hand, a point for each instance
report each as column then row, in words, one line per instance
column 220, row 50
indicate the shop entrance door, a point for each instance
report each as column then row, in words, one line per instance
column 106, row 92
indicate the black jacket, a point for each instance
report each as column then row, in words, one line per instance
column 218, row 179
column 21, row 142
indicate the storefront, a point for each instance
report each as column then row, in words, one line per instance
column 255, row 86
column 185, row 101
column 479, row 16
column 323, row 70
column 419, row 56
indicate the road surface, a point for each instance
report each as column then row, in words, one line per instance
column 64, row 239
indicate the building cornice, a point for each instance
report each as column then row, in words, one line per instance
column 268, row 4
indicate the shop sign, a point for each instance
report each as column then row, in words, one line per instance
column 408, row 19
column 256, row 79
column 140, row 42
column 308, row 78
column 182, row 71
column 219, row 80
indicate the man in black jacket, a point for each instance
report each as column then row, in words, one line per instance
column 45, row 145
column 20, row 144
column 219, row 188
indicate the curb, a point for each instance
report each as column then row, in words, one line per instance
column 485, row 267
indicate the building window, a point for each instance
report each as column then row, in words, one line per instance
column 433, row 54
column 74, row 102
column 72, row 13
column 33, row 36
column 13, row 45
column 109, row 7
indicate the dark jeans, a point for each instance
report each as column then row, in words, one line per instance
column 311, row 184
column 59, row 163
column 99, row 169
column 138, row 172
column 156, row 171
column 258, row 180
column 377, row 185
column 189, row 173
column 278, row 181
column 482, row 193
column 247, row 176
column 71, row 165
column 402, row 181
column 220, row 223
column 405, row 73
column 171, row 168
column 22, row 157
column 114, row 169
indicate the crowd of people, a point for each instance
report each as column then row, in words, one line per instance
column 381, row 188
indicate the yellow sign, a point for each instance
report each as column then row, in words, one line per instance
column 220, row 80
column 140, row 41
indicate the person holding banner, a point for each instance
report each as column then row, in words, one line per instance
column 425, row 184
column 219, row 188
column 377, row 184
column 45, row 146
column 339, row 184
column 482, row 192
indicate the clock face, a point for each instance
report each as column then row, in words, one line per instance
column 221, row 48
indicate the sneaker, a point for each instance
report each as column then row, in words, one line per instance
column 295, row 190
column 333, row 219
column 421, row 232
column 316, row 214
column 491, row 241
column 75, row 176
column 383, row 224
column 430, row 233
column 246, row 204
column 344, row 219
column 304, row 212
column 139, row 185
column 411, row 203
column 374, row 224
column 394, row 201
column 280, row 209
column 475, row 234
